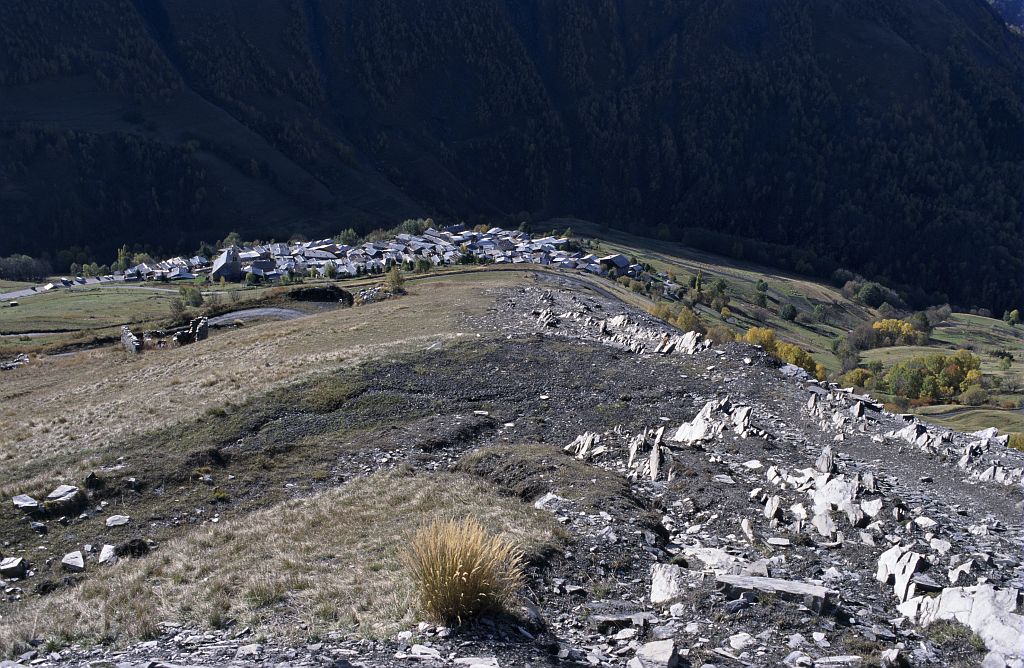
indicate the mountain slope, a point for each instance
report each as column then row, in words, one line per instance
column 1012, row 11
column 885, row 138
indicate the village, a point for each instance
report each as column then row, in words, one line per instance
column 327, row 258
column 330, row 259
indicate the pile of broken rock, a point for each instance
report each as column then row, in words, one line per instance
column 844, row 510
column 766, row 519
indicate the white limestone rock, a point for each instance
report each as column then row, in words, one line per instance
column 668, row 582
column 73, row 562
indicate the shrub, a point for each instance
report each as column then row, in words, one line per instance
column 893, row 328
column 857, row 378
column 863, row 337
column 676, row 314
column 887, row 310
column 871, row 294
column 177, row 308
column 191, row 295
column 784, row 352
column 787, row 312
column 895, row 332
column 974, row 396
column 719, row 334
column 662, row 310
column 842, row 276
column 460, row 571
column 806, row 320
column 793, row 354
column 1016, row 441
column 934, row 377
column 395, row 280
column 938, row 314
column 762, row 336
column 920, row 322
column 688, row 321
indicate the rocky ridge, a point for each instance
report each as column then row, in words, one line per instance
column 770, row 519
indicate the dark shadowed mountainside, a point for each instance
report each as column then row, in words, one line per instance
column 1012, row 11
column 883, row 137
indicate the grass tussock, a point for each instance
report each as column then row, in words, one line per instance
column 953, row 633
column 329, row 394
column 332, row 561
column 461, row 571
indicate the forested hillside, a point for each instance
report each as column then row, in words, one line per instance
column 886, row 138
column 1012, row 11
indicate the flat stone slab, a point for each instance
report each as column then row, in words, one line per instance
column 843, row 660
column 62, row 493
column 73, row 562
column 64, row 498
column 108, row 554
column 814, row 596
column 658, row 654
column 478, row 661
column 117, row 520
column 25, row 502
column 13, row 567
column 615, row 622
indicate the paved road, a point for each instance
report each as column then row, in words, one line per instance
column 104, row 283
column 31, row 335
column 18, row 294
column 96, row 283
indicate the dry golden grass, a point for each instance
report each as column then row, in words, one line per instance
column 86, row 403
column 460, row 571
column 330, row 562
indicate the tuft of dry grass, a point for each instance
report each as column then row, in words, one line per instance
column 329, row 562
column 461, row 571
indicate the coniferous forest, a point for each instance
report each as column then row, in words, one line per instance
column 882, row 137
